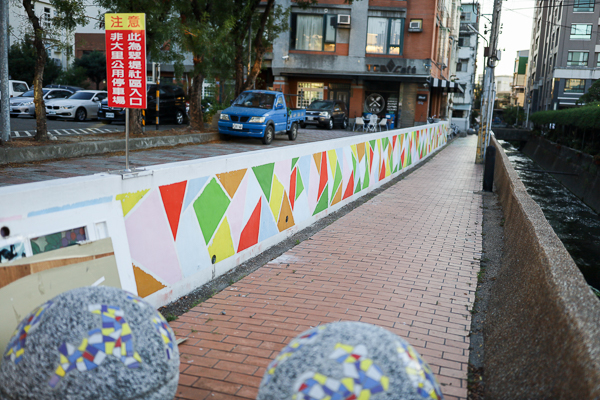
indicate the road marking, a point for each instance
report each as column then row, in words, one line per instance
column 64, row 132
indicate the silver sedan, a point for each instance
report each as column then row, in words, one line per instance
column 80, row 106
column 23, row 105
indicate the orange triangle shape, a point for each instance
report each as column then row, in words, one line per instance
column 286, row 218
column 338, row 196
column 172, row 197
column 146, row 284
column 231, row 181
column 361, row 151
column 317, row 157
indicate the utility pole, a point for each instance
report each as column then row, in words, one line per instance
column 488, row 96
column 5, row 98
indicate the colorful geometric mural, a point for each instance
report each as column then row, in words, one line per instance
column 177, row 230
column 16, row 346
column 419, row 372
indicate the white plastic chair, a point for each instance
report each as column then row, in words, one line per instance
column 382, row 123
column 372, row 127
column 360, row 122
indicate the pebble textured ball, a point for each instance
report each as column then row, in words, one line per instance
column 348, row 361
column 97, row 343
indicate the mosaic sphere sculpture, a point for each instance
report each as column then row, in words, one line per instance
column 348, row 361
column 91, row 343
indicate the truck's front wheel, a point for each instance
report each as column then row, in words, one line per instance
column 293, row 133
column 269, row 133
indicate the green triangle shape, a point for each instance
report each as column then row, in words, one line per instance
column 323, row 201
column 372, row 144
column 366, row 180
column 264, row 175
column 299, row 184
column 354, row 164
column 384, row 143
column 358, row 187
column 294, row 161
column 210, row 207
column 338, row 178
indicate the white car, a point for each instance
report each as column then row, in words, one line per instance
column 80, row 106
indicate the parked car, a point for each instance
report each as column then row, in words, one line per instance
column 327, row 113
column 23, row 105
column 261, row 114
column 172, row 106
column 16, row 88
column 79, row 106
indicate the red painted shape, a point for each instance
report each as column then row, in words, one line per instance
column 402, row 157
column 394, row 141
column 324, row 179
column 88, row 356
column 304, row 386
column 249, row 236
column 118, row 342
column 172, row 197
column 370, row 159
column 382, row 171
column 350, row 188
column 293, row 188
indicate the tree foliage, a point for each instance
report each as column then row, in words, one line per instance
column 513, row 115
column 592, row 95
column 21, row 63
column 74, row 76
column 94, row 64
column 587, row 117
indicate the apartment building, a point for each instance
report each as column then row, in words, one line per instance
column 564, row 53
column 517, row 96
column 468, row 42
column 389, row 57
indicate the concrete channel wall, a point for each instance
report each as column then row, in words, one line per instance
column 543, row 325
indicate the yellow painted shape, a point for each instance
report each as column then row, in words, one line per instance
column 126, row 329
column 366, row 364
column 26, row 329
column 347, row 349
column 388, row 171
column 63, row 359
column 295, row 344
column 231, row 180
column 276, row 198
column 79, row 360
column 349, row 383
column 146, row 283
column 165, row 339
column 385, row 382
column 109, row 347
column 107, row 331
column 19, row 352
column 222, row 245
column 124, row 21
column 129, row 200
column 137, row 356
column 123, row 349
column 60, row 371
column 354, row 151
column 317, row 157
column 332, row 161
column 364, row 395
column 83, row 345
column 320, row 378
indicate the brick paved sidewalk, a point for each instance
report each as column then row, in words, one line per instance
column 405, row 260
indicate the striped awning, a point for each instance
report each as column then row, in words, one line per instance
column 447, row 85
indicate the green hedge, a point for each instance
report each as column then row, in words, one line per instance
column 581, row 117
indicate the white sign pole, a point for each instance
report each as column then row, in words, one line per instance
column 127, row 140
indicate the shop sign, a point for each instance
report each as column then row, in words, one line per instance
column 421, row 98
column 126, row 59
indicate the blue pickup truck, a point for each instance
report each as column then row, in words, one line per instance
column 261, row 114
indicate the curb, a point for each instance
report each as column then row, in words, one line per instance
column 71, row 150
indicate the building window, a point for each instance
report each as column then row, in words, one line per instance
column 574, row 86
column 597, row 59
column 464, row 41
column 462, row 65
column 309, row 92
column 313, row 32
column 583, row 6
column 577, row 59
column 581, row 31
column 384, row 35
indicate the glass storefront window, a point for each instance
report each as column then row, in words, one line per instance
column 574, row 86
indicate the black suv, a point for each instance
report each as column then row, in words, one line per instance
column 172, row 106
column 326, row 113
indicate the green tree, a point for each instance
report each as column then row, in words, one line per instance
column 68, row 14
column 74, row 76
column 592, row 95
column 160, row 25
column 21, row 63
column 513, row 115
column 94, row 64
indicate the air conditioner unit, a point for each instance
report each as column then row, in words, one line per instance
column 415, row 25
column 343, row 21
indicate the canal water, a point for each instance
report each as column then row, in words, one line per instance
column 577, row 225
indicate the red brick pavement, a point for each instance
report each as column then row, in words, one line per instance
column 406, row 260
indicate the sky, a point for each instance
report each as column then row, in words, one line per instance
column 517, row 18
